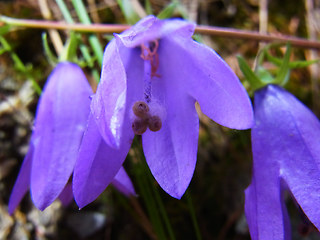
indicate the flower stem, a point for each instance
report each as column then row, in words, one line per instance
column 193, row 215
column 117, row 28
column 162, row 210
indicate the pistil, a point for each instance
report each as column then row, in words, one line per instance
column 143, row 119
column 151, row 63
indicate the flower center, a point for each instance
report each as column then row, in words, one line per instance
column 147, row 113
column 143, row 119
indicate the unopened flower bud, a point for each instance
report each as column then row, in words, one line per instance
column 140, row 109
column 139, row 126
column 154, row 123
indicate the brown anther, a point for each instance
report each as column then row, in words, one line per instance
column 139, row 126
column 140, row 109
column 154, row 123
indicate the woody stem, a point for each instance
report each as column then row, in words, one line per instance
column 117, row 28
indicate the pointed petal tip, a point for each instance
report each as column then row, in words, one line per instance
column 176, row 195
column 80, row 198
column 11, row 208
column 43, row 197
column 41, row 205
column 176, row 191
column 81, row 203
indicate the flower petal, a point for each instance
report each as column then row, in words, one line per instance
column 66, row 196
column 171, row 153
column 281, row 151
column 97, row 164
column 60, row 122
column 121, row 84
column 264, row 200
column 209, row 80
column 299, row 132
column 265, row 209
column 263, row 197
column 22, row 184
column 109, row 103
column 123, row 183
column 150, row 28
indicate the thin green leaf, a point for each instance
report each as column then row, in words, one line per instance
column 264, row 75
column 284, row 68
column 93, row 39
column 286, row 78
column 52, row 59
column 168, row 11
column 251, row 77
column 96, row 75
column 302, row 64
column 86, row 55
column 148, row 7
column 193, row 215
column 5, row 44
column 18, row 64
column 5, row 29
column 162, row 209
column 83, row 48
column 70, row 49
column 2, row 50
column 36, row 86
column 292, row 65
column 128, row 11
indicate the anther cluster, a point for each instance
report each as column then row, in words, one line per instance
column 143, row 119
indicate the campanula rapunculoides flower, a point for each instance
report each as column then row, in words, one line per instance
column 152, row 76
column 286, row 155
column 60, row 122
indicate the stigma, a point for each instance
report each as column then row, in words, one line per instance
column 149, row 53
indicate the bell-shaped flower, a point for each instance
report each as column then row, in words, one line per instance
column 152, row 76
column 286, row 156
column 61, row 119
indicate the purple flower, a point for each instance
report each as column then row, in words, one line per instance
column 61, row 119
column 286, row 153
column 152, row 76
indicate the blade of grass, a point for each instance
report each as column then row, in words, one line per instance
column 93, row 40
column 193, row 215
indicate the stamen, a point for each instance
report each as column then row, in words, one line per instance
column 140, row 109
column 145, row 117
column 139, row 126
column 154, row 123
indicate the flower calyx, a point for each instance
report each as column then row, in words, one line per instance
column 143, row 119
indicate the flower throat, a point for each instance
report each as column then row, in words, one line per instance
column 143, row 119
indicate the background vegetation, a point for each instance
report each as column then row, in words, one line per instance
column 212, row 208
